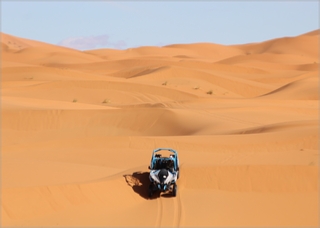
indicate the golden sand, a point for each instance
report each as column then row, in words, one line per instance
column 78, row 129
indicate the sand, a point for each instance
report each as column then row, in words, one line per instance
column 78, row 129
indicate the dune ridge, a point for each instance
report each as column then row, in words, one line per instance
column 78, row 129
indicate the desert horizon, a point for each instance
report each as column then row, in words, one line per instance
column 78, row 129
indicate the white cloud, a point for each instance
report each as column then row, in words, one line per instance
column 91, row 42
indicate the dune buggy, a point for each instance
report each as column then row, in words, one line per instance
column 164, row 172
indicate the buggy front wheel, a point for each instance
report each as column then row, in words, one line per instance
column 150, row 192
column 174, row 189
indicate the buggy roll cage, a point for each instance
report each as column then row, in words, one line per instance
column 154, row 158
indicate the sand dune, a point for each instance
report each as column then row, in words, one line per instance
column 303, row 45
column 38, row 53
column 306, row 89
column 78, row 129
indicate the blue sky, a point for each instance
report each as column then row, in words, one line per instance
column 125, row 24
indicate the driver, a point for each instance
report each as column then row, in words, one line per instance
column 170, row 164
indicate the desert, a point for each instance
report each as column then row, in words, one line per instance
column 78, row 129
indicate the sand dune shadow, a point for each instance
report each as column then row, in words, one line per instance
column 139, row 181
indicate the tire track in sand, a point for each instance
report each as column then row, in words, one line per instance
column 177, row 211
column 169, row 211
column 159, row 212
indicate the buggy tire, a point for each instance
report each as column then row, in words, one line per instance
column 174, row 190
column 150, row 191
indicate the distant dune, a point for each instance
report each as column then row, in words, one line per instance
column 78, row 129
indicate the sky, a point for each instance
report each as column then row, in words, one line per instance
column 85, row 25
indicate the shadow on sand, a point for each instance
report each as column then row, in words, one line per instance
column 139, row 182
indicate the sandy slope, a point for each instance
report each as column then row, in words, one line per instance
column 78, row 129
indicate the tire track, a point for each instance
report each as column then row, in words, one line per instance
column 177, row 199
column 180, row 212
column 169, row 211
column 177, row 211
column 159, row 212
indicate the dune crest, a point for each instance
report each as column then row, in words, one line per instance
column 78, row 129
